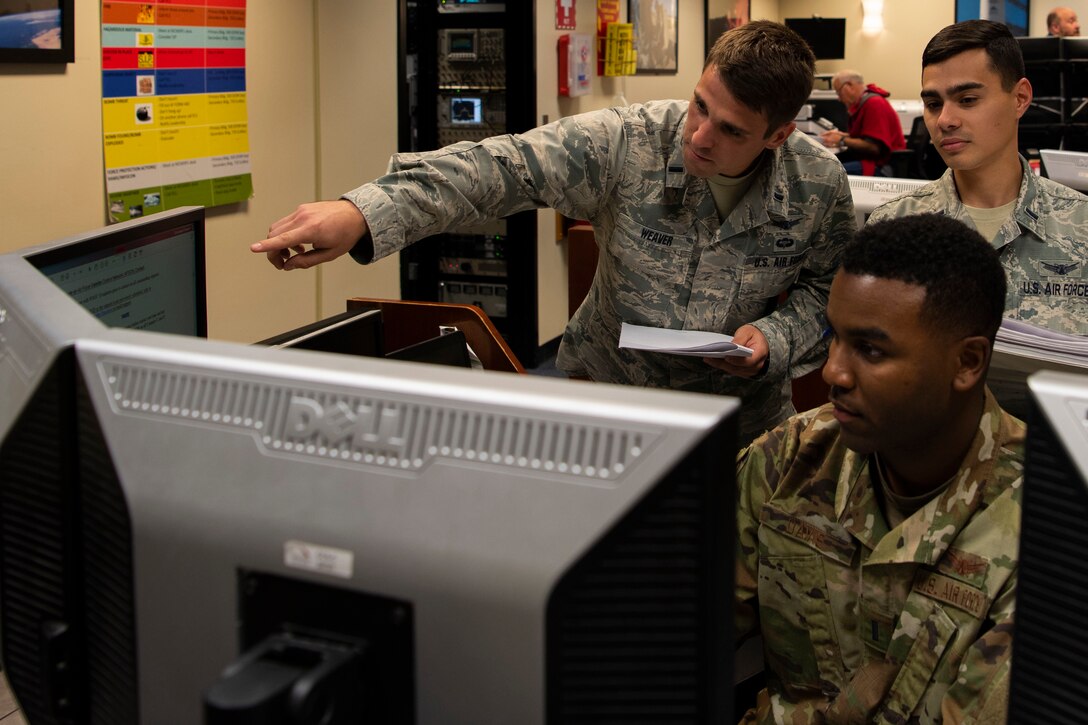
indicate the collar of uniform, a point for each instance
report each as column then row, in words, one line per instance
column 856, row 503
column 675, row 174
column 772, row 182
column 926, row 534
column 1029, row 211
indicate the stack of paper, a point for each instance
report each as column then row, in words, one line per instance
column 1029, row 338
column 1020, row 350
column 681, row 342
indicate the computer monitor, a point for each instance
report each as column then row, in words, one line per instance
column 826, row 36
column 147, row 273
column 1066, row 167
column 347, row 333
column 466, row 110
column 869, row 192
column 450, row 348
column 452, row 546
column 1050, row 643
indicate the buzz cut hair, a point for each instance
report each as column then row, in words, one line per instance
column 767, row 67
column 961, row 272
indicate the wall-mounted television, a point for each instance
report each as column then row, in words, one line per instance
column 826, row 36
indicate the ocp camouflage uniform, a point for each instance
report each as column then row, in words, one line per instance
column 1043, row 246
column 862, row 624
column 665, row 261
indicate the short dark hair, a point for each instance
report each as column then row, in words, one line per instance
column 960, row 271
column 995, row 38
column 767, row 67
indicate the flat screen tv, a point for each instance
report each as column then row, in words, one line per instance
column 204, row 531
column 826, row 36
column 1050, row 642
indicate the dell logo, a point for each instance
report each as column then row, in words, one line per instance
column 362, row 425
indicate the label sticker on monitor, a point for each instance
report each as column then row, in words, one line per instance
column 320, row 559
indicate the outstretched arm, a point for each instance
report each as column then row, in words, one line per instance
column 313, row 234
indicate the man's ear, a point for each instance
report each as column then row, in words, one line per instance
column 972, row 362
column 1023, row 93
column 780, row 135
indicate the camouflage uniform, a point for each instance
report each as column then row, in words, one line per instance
column 863, row 624
column 1044, row 246
column 664, row 259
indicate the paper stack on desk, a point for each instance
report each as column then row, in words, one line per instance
column 1020, row 350
column 681, row 342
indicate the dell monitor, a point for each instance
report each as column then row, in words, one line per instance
column 418, row 543
column 869, row 192
column 1050, row 643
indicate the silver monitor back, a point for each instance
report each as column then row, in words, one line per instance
column 563, row 551
column 869, row 192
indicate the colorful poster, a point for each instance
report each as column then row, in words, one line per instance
column 174, row 120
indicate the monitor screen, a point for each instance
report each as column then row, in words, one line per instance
column 145, row 274
column 463, row 41
column 1050, row 642
column 416, row 543
column 466, row 110
column 826, row 36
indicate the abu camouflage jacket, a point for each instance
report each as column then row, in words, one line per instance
column 1043, row 246
column 665, row 260
column 865, row 625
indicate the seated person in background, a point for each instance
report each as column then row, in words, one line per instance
column 974, row 93
column 1062, row 22
column 878, row 534
column 704, row 212
column 874, row 130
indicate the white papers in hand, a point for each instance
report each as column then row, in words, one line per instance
column 681, row 342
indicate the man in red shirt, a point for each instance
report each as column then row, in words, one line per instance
column 874, row 130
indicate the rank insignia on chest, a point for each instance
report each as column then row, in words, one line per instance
column 876, row 627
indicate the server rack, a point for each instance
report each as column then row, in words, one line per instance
column 467, row 71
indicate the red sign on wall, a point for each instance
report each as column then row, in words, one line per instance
column 564, row 15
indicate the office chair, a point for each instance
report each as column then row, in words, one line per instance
column 920, row 160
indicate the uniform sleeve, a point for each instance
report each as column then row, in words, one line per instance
column 795, row 331
column 567, row 165
column 980, row 694
column 757, row 476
